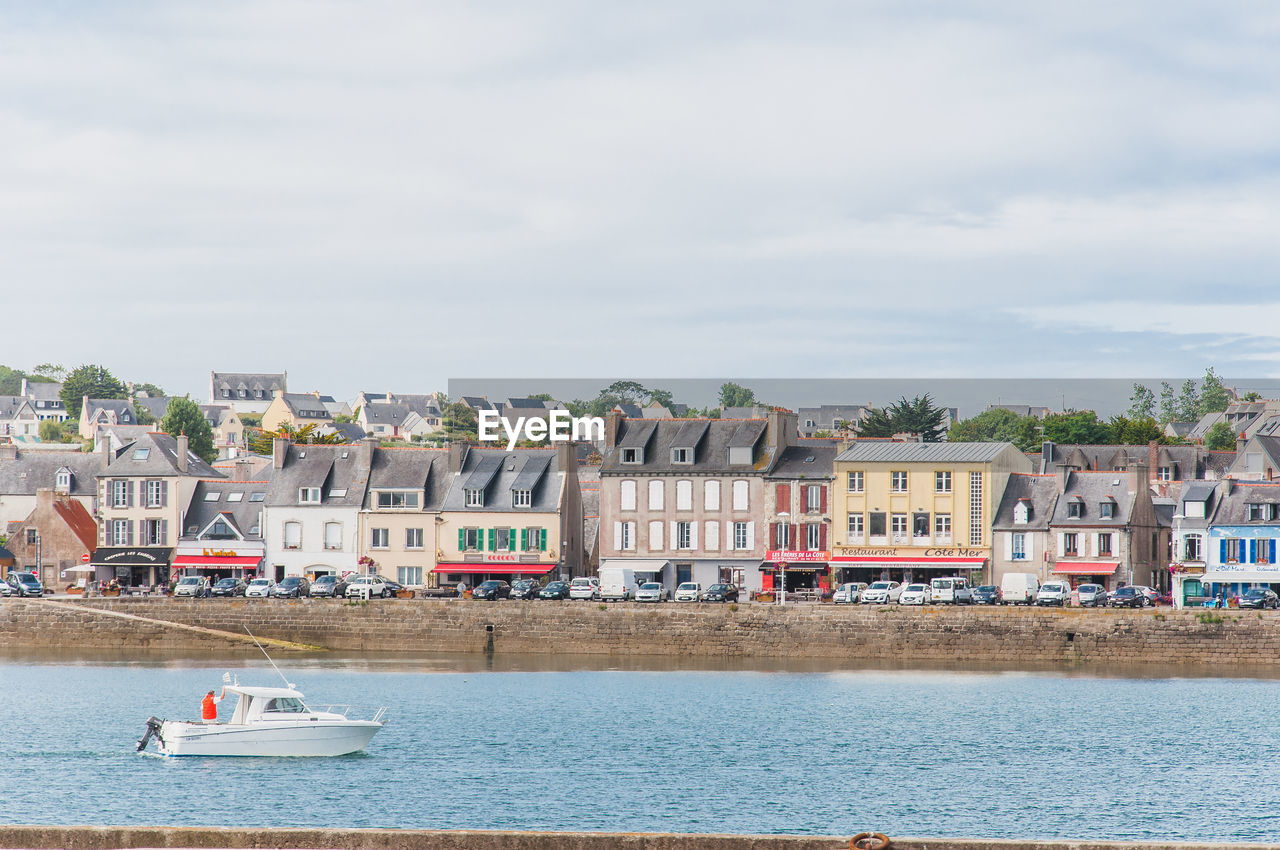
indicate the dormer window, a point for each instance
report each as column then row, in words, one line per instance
column 1075, row 510
column 1257, row 512
column 681, row 456
column 631, row 456
column 398, row 500
column 242, row 393
column 226, row 393
column 1107, row 509
column 1021, row 513
column 521, row 498
column 308, row 495
column 1164, row 473
column 63, row 482
column 220, row 531
column 475, row 498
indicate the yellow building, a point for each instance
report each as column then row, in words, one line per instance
column 912, row 511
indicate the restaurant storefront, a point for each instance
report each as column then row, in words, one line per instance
column 239, row 561
column 504, row 567
column 798, row 570
column 907, row 564
column 1089, row 572
column 133, row 567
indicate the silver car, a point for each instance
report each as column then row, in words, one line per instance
column 652, row 591
column 882, row 593
column 1092, row 596
column 849, row 592
column 259, row 588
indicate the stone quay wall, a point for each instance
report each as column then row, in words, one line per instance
column 100, row 838
column 886, row 634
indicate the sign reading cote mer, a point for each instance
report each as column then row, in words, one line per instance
column 904, row 552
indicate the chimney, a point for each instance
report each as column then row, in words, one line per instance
column 457, row 454
column 781, row 430
column 1064, row 476
column 242, row 470
column 183, row 448
column 23, row 391
column 1046, row 455
column 279, row 449
column 1228, row 484
column 8, row 451
column 567, row 456
column 1241, row 441
column 612, row 425
column 1153, row 459
column 1138, row 476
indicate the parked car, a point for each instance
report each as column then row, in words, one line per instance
column 373, row 586
column 916, row 594
column 492, row 590
column 951, row 589
column 688, row 591
column 525, row 588
column 1092, row 595
column 986, row 594
column 329, row 586
column 1128, row 597
column 197, row 587
column 292, row 587
column 721, row 593
column 24, row 584
column 652, row 591
column 555, row 590
column 584, row 588
column 1153, row 595
column 850, row 592
column 1259, row 597
column 1054, row 593
column 259, row 588
column 393, row 585
column 227, row 587
column 882, row 593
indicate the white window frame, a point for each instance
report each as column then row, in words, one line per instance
column 380, row 538
column 120, row 533
column 409, row 576
column 739, row 536
column 813, row 498
column 942, row 527
column 626, row 536
column 856, row 481
column 308, row 495
column 412, row 539
column 297, row 542
column 521, row 498
column 784, row 535
column 899, row 481
column 155, row 493
column 119, row 493
column 1199, row 547
column 1018, row 545
column 475, row 498
column 329, row 544
column 813, row 536
column 855, row 526
column 684, row 535
column 467, row 534
column 682, row 456
column 942, row 481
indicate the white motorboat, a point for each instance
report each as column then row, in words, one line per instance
column 266, row 722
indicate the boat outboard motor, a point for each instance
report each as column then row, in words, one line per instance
column 153, row 728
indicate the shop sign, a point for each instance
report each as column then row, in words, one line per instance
column 220, row 553
column 776, row 555
column 133, row 556
column 899, row 552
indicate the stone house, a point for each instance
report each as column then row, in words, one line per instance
column 18, row 417
column 798, row 516
column 296, row 410
column 99, row 412
column 54, row 538
column 1243, row 544
column 400, row 516
column 684, row 499
column 222, row 531
column 23, row 473
column 1022, row 540
column 45, row 398
column 246, row 392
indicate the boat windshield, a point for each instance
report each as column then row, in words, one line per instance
column 285, row 705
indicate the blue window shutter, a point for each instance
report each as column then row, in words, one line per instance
column 1272, row 557
column 1222, row 552
column 1252, row 553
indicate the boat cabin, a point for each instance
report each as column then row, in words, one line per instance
column 266, row 704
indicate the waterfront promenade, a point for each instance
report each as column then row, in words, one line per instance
column 1227, row 640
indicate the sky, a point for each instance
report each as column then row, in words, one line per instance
column 391, row 194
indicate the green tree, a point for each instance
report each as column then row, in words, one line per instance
column 1219, row 437
column 183, row 417
column 1076, row 426
column 11, row 380
column 145, row 416
column 1142, row 403
column 89, row 380
column 998, row 425
column 736, row 395
column 918, row 416
column 542, row 397
column 1168, row 406
column 629, row 392
column 263, row 442
column 460, row 423
column 50, row 372
column 1136, row 431
column 1252, row 395
column 1187, row 408
column 877, row 423
column 662, row 397
column 54, row 432
column 1214, row 395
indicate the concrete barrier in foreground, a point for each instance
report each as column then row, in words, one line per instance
column 102, row 837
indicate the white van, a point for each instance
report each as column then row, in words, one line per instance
column 951, row 590
column 617, row 584
column 1019, row 588
column 1054, row 593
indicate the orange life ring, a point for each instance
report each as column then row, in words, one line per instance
column 869, row 841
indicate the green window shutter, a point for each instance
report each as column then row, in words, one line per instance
column 542, row 544
column 524, row 538
column 462, row 539
column 493, row 539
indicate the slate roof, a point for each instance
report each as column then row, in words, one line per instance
column 1206, row 422
column 1041, row 494
column 424, row 470
column 244, row 514
column 34, row 470
column 1198, row 491
column 1233, row 507
column 157, row 406
column 350, row 431
column 502, row 470
column 331, row 468
column 710, row 458
column 1164, row 509
column 1093, row 488
column 892, row 451
column 420, row 403
column 299, row 402
column 11, row 404
column 1219, row 462
column 118, row 406
column 805, row 461
column 44, row 391
column 268, row 382
column 385, row 414
column 161, row 459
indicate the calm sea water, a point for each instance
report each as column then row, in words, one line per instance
column 999, row 755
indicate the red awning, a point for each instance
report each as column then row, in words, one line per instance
column 470, row 567
column 900, row 559
column 214, row 562
column 1078, row 568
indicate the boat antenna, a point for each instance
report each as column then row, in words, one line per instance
column 273, row 664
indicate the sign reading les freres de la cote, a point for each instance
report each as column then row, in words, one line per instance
column 558, row 426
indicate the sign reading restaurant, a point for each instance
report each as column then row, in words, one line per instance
column 897, row 552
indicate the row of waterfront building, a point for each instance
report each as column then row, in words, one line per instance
column 746, row 501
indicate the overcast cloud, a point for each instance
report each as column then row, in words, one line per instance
column 387, row 194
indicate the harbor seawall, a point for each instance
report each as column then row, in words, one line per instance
column 100, row 838
column 1009, row 636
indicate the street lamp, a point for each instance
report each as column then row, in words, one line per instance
column 782, row 564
